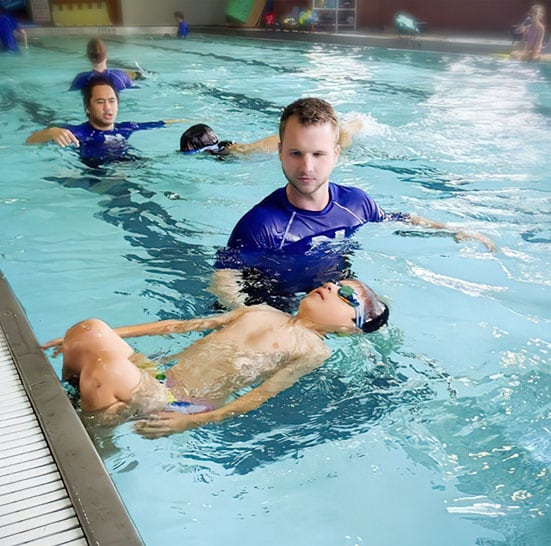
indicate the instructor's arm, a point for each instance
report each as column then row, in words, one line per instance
column 59, row 135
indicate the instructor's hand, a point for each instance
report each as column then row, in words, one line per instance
column 63, row 137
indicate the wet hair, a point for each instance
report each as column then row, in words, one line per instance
column 94, row 82
column 376, row 312
column 539, row 9
column 309, row 111
column 197, row 138
column 96, row 50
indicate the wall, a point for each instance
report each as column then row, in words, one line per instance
column 460, row 15
column 284, row 8
column 474, row 15
column 161, row 12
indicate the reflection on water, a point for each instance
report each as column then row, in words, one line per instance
column 149, row 227
column 443, row 419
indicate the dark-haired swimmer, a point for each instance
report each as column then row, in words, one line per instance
column 202, row 138
column 255, row 346
column 100, row 138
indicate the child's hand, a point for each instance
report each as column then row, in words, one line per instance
column 58, row 343
column 168, row 422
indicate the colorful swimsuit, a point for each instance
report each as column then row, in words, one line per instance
column 151, row 396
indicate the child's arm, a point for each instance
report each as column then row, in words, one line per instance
column 348, row 130
column 170, row 422
column 267, row 145
column 226, row 285
column 166, row 327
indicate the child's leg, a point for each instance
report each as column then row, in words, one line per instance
column 89, row 341
column 100, row 358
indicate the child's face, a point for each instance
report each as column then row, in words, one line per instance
column 326, row 307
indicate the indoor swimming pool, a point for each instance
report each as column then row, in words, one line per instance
column 435, row 428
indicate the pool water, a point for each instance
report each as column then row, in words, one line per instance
column 434, row 430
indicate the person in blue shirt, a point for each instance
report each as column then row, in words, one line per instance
column 100, row 139
column 183, row 28
column 96, row 52
column 298, row 235
column 9, row 28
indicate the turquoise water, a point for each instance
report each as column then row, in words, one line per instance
column 437, row 429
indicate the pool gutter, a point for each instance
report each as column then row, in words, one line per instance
column 97, row 504
column 476, row 44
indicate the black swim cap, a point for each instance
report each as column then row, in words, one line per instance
column 197, row 138
column 373, row 324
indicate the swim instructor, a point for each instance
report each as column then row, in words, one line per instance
column 100, row 138
column 309, row 212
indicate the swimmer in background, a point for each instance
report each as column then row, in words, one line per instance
column 100, row 138
column 258, row 347
column 183, row 28
column 9, row 29
column 96, row 51
column 533, row 34
column 202, row 138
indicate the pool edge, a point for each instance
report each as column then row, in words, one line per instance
column 476, row 44
column 99, row 508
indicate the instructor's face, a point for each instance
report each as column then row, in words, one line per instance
column 308, row 155
column 103, row 108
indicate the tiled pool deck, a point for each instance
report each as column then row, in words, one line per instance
column 53, row 486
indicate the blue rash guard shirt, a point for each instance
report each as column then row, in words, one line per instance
column 275, row 224
column 8, row 25
column 283, row 250
column 183, row 29
column 119, row 79
column 98, row 146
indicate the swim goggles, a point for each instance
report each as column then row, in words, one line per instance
column 215, row 148
column 350, row 296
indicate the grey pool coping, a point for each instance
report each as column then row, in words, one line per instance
column 436, row 42
column 96, row 502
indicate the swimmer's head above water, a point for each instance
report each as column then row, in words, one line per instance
column 201, row 138
column 96, row 51
column 320, row 306
column 309, row 111
column 370, row 313
column 97, row 81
